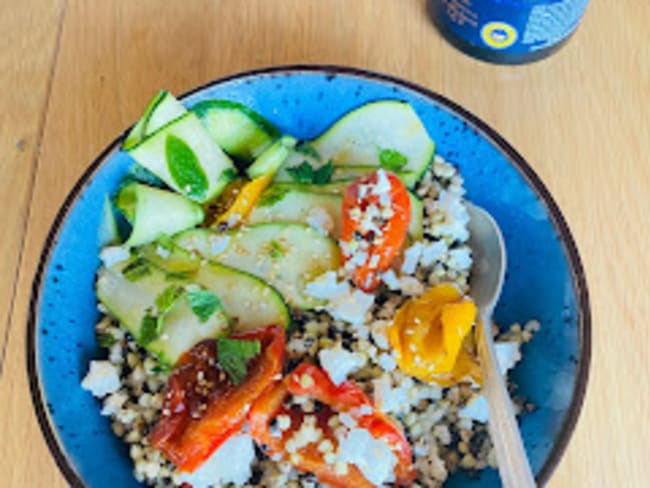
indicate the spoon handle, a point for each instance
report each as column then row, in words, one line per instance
column 514, row 469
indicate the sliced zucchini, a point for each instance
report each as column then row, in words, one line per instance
column 359, row 137
column 185, row 157
column 354, row 171
column 292, row 202
column 238, row 130
column 162, row 109
column 249, row 301
column 272, row 158
column 295, row 205
column 170, row 258
column 130, row 301
column 108, row 232
column 153, row 212
column 285, row 255
column 416, row 225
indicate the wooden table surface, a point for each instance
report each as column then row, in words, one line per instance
column 75, row 73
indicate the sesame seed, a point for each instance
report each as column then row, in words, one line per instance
column 306, row 381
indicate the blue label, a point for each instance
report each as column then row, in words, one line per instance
column 511, row 26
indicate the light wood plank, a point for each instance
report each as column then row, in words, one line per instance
column 580, row 118
column 27, row 50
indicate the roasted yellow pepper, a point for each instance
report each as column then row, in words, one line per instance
column 245, row 201
column 431, row 336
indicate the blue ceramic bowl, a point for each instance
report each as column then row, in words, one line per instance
column 544, row 280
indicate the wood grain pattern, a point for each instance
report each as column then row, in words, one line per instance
column 27, row 50
column 580, row 118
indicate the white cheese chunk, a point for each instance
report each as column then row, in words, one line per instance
column 373, row 457
column 231, row 463
column 343, row 302
column 411, row 258
column 476, row 409
column 102, row 378
column 508, row 355
column 340, row 363
column 433, row 252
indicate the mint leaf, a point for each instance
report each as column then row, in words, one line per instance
column 271, row 196
column 148, row 328
column 185, row 168
column 167, row 298
column 136, row 270
column 323, row 175
column 234, row 356
column 392, row 159
column 303, row 173
column 306, row 174
column 203, row 303
column 276, row 250
column 308, row 150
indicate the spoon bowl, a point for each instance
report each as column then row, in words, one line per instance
column 489, row 254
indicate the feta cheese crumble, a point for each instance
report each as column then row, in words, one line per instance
column 476, row 409
column 373, row 457
column 231, row 463
column 340, row 363
column 102, row 378
column 343, row 302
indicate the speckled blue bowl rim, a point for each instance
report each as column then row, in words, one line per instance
column 577, row 270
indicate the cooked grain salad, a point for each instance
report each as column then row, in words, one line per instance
column 280, row 313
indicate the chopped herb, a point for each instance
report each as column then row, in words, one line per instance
column 323, row 175
column 234, row 356
column 185, row 168
column 392, row 159
column 203, row 303
column 308, row 150
column 178, row 275
column 272, row 196
column 148, row 328
column 165, row 242
column 136, row 270
column 161, row 368
column 105, row 339
column 276, row 250
column 305, row 173
column 167, row 298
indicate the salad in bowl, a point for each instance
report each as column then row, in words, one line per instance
column 283, row 312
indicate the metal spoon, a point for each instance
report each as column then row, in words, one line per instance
column 489, row 256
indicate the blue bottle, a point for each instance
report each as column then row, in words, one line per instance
column 507, row 31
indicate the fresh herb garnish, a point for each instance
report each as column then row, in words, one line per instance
column 185, row 168
column 305, row 173
column 161, row 368
column 272, row 196
column 136, row 270
column 105, row 339
column 234, row 356
column 276, row 250
column 167, row 298
column 308, row 150
column 148, row 328
column 203, row 303
column 392, row 160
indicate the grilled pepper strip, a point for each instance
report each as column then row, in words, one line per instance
column 202, row 408
column 309, row 380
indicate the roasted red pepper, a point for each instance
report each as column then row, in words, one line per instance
column 309, row 380
column 383, row 193
column 202, row 408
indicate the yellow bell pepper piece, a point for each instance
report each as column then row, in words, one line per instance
column 245, row 201
column 431, row 336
